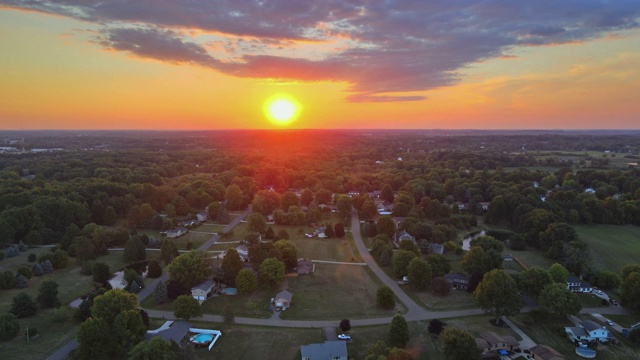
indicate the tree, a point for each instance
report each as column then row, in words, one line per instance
column 160, row 292
column 553, row 238
column 386, row 226
column 234, row 197
column 339, row 230
column 345, row 325
column 94, row 338
column 386, row 193
column 289, row 199
column 439, row 264
column 401, row 260
column 23, row 306
column 419, row 274
column 128, row 329
column 231, row 265
column 229, row 317
column 272, row 271
column 155, row 349
column 246, row 281
column 344, row 204
column 47, row 267
column 265, row 202
column 384, row 259
column 533, row 280
column 283, row 234
column 7, row 280
column 608, row 280
column 154, row 269
column 134, row 250
column 558, row 273
column 191, row 268
column 48, row 294
column 25, row 271
column 21, row 281
column 255, row 222
column 168, row 251
column 488, row 242
column 289, row 253
column 112, row 303
column 558, row 301
column 9, row 327
column 409, row 245
column 100, row 272
column 176, row 288
column 37, row 270
column 186, row 307
column 630, row 291
column 60, row 259
column 323, row 196
column 398, row 331
column 440, row 286
column 628, row 269
column 477, row 260
column 385, row 298
column 306, row 197
column 498, row 294
column 459, row 345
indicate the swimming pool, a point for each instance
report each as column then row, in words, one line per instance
column 201, row 339
column 230, row 291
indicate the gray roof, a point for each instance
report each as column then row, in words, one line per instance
column 284, row 294
column 175, row 332
column 205, row 285
column 456, row 278
column 436, row 248
column 590, row 325
column 327, row 350
column 578, row 331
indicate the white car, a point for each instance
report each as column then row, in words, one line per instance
column 599, row 292
column 344, row 337
column 609, row 322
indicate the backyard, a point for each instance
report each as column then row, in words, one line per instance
column 611, row 246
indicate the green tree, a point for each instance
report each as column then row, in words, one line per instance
column 323, row 196
column 155, row 349
column 409, row 245
column 94, row 340
column 272, row 271
column 558, row 273
column 160, row 292
column 387, row 226
column 265, row 202
column 459, row 344
column 289, row 253
column 134, row 250
column 498, row 294
column 344, row 205
column 100, row 272
column 190, row 268
column 9, row 326
column 48, row 294
column 533, row 280
column 168, row 251
column 401, row 260
column 234, row 197
column 246, row 281
column 630, row 291
column 23, row 306
column 231, row 266
column 475, row 261
column 306, row 197
column 186, row 307
column 608, row 280
column 488, row 242
column 345, row 325
column 439, row 264
column 558, row 301
column 419, row 274
column 7, row 280
column 154, row 269
column 386, row 193
column 398, row 334
column 289, row 199
column 628, row 269
column 385, row 298
column 128, row 329
column 255, row 222
column 112, row 303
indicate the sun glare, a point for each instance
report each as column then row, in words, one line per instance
column 282, row 109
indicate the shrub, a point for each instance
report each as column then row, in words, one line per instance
column 100, row 272
column 32, row 257
column 59, row 315
column 7, row 280
column 23, row 306
column 47, row 267
column 154, row 269
column 87, row 268
column 21, row 281
column 26, row 272
column 13, row 252
column 22, row 247
column 37, row 270
column 9, row 326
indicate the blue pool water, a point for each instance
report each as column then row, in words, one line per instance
column 202, row 338
column 230, row 291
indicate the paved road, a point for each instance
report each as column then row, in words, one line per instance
column 526, row 342
column 63, row 352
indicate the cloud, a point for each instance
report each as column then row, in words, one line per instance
column 388, row 47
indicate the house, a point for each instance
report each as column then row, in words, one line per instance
column 435, row 249
column 587, row 331
column 457, row 281
column 490, row 342
column 627, row 331
column 320, row 233
column 542, row 352
column 329, row 350
column 202, row 216
column 305, row 266
column 404, row 235
column 283, row 299
column 576, row 285
column 202, row 290
column 463, row 206
column 172, row 330
column 176, row 232
column 507, row 257
column 484, row 205
column 189, row 223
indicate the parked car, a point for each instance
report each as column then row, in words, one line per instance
column 609, row 322
column 599, row 292
column 344, row 337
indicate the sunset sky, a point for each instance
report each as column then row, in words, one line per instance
column 209, row 64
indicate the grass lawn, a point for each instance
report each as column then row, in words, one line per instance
column 611, row 246
column 335, row 292
column 333, row 249
column 254, row 342
column 531, row 258
column 457, row 299
column 210, row 227
column 51, row 335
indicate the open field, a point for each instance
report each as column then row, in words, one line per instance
column 333, row 249
column 611, row 246
column 457, row 299
column 530, row 258
column 335, row 292
column 51, row 335
column 255, row 342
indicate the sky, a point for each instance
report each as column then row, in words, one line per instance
column 212, row 64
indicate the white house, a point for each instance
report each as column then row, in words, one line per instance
column 576, row 285
column 587, row 331
column 202, row 216
column 202, row 290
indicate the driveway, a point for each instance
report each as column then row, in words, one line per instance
column 330, row 333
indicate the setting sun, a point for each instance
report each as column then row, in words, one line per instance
column 282, row 109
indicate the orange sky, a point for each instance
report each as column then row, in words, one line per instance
column 57, row 75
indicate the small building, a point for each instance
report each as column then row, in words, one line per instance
column 484, row 205
column 435, row 249
column 507, row 257
column 576, row 285
column 492, row 342
column 202, row 291
column 305, row 266
column 202, row 216
column 627, row 331
column 175, row 233
column 587, row 331
column 243, row 252
column 329, row 350
column 457, row 281
column 172, row 330
column 189, row 223
column 543, row 352
column 283, row 299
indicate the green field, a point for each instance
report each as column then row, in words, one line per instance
column 335, row 292
column 342, row 250
column 612, row 247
